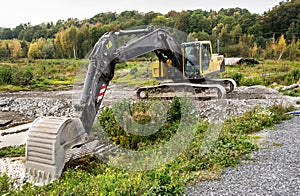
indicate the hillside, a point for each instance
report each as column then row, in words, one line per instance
column 239, row 32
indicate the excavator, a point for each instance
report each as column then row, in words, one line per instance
column 53, row 141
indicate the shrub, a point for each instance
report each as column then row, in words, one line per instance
column 295, row 74
column 5, row 183
column 141, row 113
column 6, row 74
column 237, row 77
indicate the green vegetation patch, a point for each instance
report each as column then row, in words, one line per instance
column 138, row 74
column 90, row 176
column 27, row 74
column 13, row 151
column 267, row 73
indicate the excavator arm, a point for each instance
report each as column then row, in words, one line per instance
column 53, row 141
column 105, row 55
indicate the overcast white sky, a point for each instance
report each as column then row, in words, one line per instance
column 13, row 13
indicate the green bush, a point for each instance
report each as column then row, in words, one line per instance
column 295, row 74
column 6, row 184
column 6, row 74
column 40, row 82
column 140, row 113
column 293, row 93
column 15, row 75
column 237, row 77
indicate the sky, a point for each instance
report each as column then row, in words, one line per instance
column 36, row 12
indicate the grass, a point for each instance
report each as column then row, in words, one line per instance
column 12, row 88
column 293, row 93
column 51, row 74
column 90, row 176
column 27, row 74
column 268, row 73
column 14, row 151
column 139, row 74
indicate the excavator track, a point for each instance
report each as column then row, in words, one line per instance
column 50, row 145
column 227, row 83
column 170, row 90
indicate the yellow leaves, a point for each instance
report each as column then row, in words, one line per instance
column 280, row 47
column 66, row 41
column 254, row 50
column 13, row 47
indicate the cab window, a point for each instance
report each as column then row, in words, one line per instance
column 191, row 62
column 206, row 56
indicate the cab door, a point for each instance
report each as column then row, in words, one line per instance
column 191, row 59
column 205, row 58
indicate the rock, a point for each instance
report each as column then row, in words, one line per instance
column 3, row 102
column 4, row 123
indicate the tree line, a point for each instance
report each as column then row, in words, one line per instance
column 274, row 34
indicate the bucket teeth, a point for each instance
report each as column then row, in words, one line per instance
column 38, row 177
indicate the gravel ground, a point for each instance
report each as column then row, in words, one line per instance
column 14, row 168
column 273, row 170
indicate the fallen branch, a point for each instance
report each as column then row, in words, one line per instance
column 293, row 86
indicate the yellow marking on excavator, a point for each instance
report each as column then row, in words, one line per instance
column 109, row 44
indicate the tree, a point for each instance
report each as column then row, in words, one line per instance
column 58, row 52
column 201, row 35
column 292, row 50
column 35, row 49
column 6, row 33
column 182, row 23
column 15, row 48
column 4, row 49
column 280, row 47
column 236, row 34
column 48, row 49
column 68, row 42
column 84, row 41
column 254, row 51
column 280, row 18
column 160, row 21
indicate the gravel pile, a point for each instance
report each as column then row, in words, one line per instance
column 58, row 104
column 242, row 100
column 35, row 107
column 273, row 170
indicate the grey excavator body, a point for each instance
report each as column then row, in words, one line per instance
column 53, row 141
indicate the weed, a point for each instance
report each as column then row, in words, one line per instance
column 6, row 183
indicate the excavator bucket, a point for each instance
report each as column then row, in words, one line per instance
column 50, row 144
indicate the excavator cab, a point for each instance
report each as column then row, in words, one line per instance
column 191, row 59
column 198, row 60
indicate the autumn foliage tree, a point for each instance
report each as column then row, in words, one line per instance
column 280, row 47
column 239, row 32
